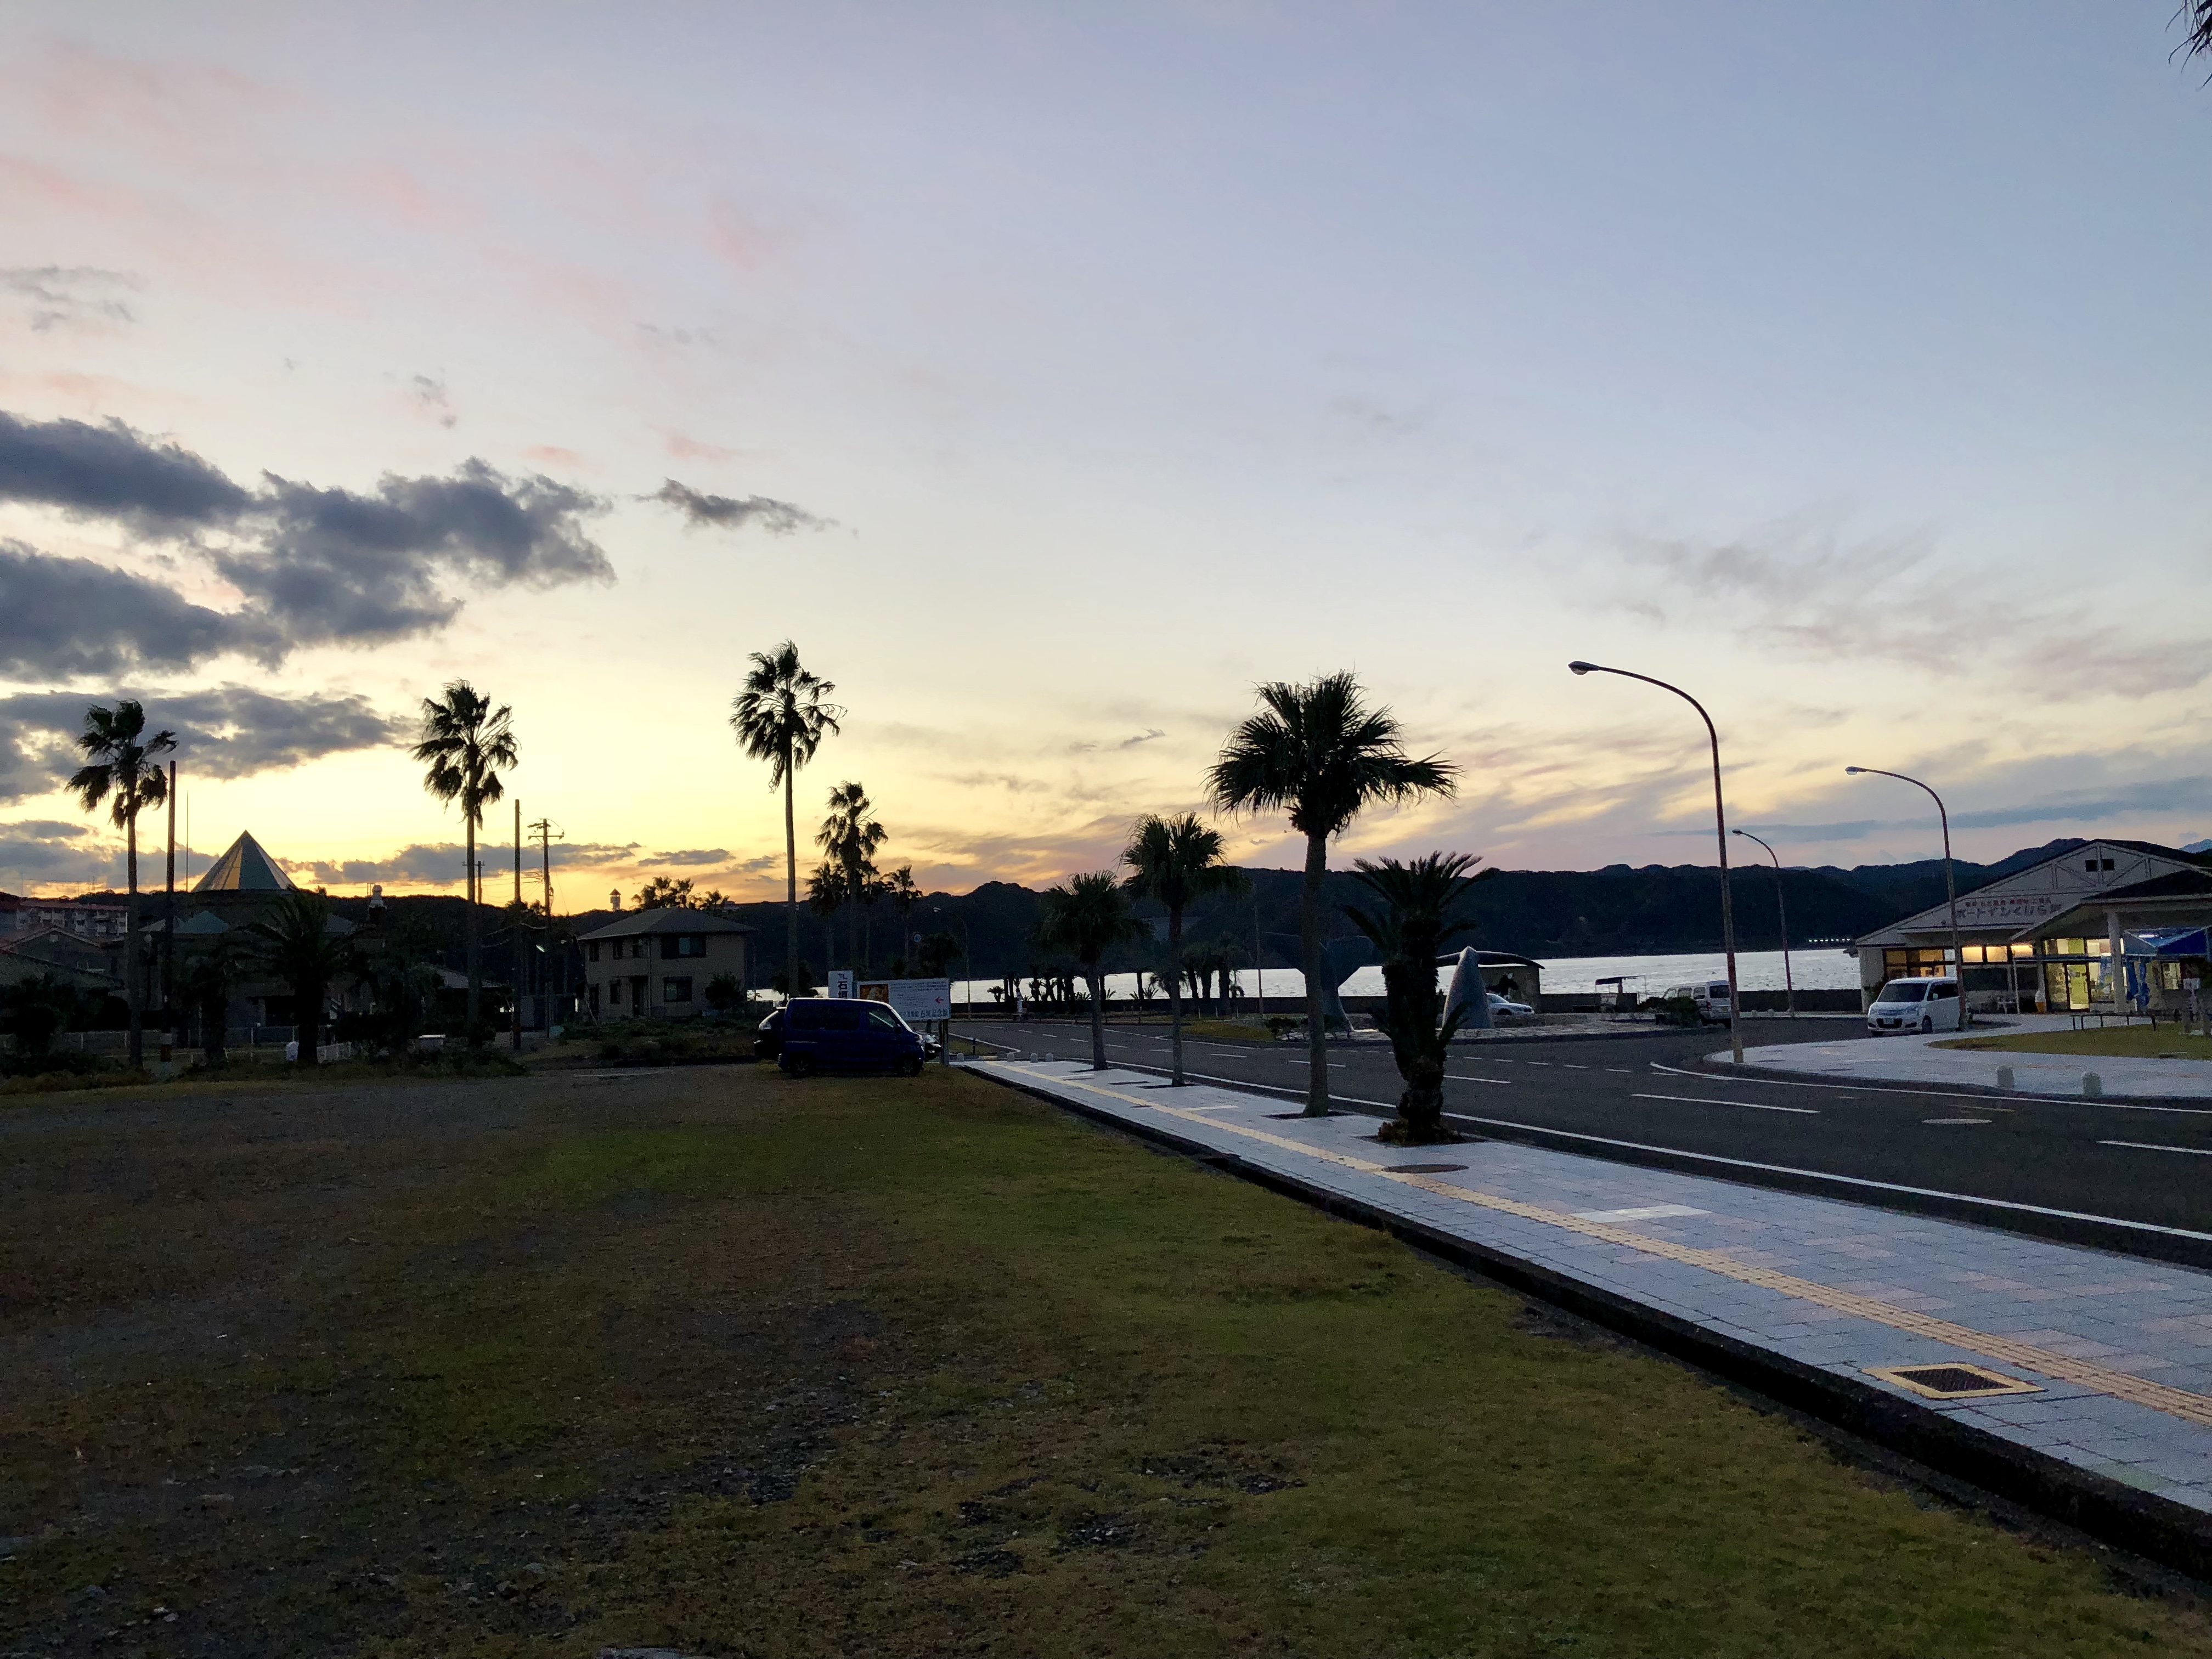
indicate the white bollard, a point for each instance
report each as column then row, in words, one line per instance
column 2004, row 1076
column 2091, row 1084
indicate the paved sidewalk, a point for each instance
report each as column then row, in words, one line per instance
column 2111, row 1355
column 1922, row 1060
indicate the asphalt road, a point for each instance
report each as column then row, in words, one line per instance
column 1638, row 1100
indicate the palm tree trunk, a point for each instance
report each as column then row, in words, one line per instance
column 476, row 955
column 1310, row 894
column 791, row 988
column 308, row 1017
column 131, row 975
column 1175, row 995
column 1097, row 983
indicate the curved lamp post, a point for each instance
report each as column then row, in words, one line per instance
column 1720, row 825
column 1950, row 886
column 1789, row 984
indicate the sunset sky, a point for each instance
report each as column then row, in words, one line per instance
column 1054, row 374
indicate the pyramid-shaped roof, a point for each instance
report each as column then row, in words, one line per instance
column 246, row 868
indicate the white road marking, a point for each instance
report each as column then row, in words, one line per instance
column 1955, row 1119
column 1461, row 1076
column 1749, row 1105
column 1876, row 1088
column 2153, row 1147
column 1841, row 1180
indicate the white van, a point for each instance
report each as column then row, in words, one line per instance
column 1711, row 997
column 1915, row 1005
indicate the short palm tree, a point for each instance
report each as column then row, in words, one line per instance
column 780, row 716
column 123, row 769
column 899, row 888
column 465, row 741
column 851, row 836
column 1173, row 861
column 1087, row 918
column 825, row 896
column 1417, row 909
column 293, row 942
column 1317, row 752
column 208, row 977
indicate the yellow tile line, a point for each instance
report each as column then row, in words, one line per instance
column 2158, row 1396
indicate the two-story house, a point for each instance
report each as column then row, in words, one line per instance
column 655, row 965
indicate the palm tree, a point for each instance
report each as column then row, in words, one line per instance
column 2196, row 17
column 851, row 836
column 1317, row 752
column 1417, row 911
column 1175, row 861
column 121, row 769
column 293, row 942
column 898, row 887
column 210, row 976
column 465, row 741
column 1086, row 919
column 779, row 717
column 825, row 896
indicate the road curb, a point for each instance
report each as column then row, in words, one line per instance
column 2138, row 1522
column 1923, row 1086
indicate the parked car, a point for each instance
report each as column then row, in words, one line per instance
column 836, row 1034
column 1915, row 1005
column 767, row 1040
column 1503, row 1007
column 1711, row 997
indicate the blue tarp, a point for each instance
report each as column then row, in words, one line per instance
column 2169, row 942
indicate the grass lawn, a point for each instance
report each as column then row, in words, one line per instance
column 2134, row 1042
column 715, row 1360
column 1227, row 1030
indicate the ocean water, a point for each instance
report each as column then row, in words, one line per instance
column 1820, row 969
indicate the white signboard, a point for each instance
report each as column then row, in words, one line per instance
column 841, row 983
column 2007, row 909
column 916, row 1001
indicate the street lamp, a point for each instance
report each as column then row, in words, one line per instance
column 1720, row 824
column 1950, row 885
column 1789, row 985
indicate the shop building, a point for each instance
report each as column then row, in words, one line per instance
column 2044, row 940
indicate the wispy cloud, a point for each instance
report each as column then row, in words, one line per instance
column 702, row 511
column 70, row 296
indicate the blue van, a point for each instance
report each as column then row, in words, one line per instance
column 835, row 1034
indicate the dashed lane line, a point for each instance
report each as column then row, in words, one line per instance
column 2153, row 1147
column 1748, row 1105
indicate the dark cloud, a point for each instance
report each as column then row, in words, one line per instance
column 63, row 618
column 694, row 856
column 229, row 732
column 731, row 512
column 112, row 472
column 71, row 295
column 49, row 854
column 441, row 864
column 314, row 566
column 2151, row 798
column 335, row 566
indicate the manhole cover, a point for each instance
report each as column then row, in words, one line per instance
column 1951, row 1381
column 1424, row 1169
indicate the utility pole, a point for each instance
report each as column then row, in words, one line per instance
column 547, row 835
column 1259, row 967
column 518, row 851
column 169, row 922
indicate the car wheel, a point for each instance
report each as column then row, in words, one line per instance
column 909, row 1066
column 1926, row 1026
column 799, row 1065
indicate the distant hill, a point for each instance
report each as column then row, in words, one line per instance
column 1620, row 910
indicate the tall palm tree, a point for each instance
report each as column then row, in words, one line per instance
column 1317, row 752
column 1175, row 861
column 2196, row 18
column 780, row 717
column 465, row 741
column 899, row 888
column 294, row 943
column 1087, row 918
column 1417, row 911
column 851, row 836
column 123, row 769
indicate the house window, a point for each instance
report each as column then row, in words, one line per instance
column 673, row 946
column 594, row 950
column 676, row 990
column 614, row 992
